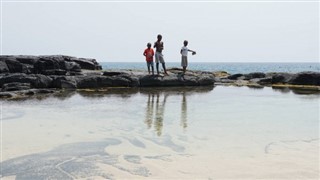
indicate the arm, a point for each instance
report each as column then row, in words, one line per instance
column 144, row 53
column 191, row 50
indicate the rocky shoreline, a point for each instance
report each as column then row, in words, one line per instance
column 22, row 76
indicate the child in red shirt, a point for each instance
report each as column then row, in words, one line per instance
column 149, row 53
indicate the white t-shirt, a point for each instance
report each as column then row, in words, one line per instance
column 184, row 50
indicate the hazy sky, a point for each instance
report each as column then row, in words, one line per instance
column 119, row 31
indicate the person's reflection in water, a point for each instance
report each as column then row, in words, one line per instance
column 158, row 123
column 149, row 110
column 184, row 119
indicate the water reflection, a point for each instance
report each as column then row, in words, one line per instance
column 155, row 111
column 156, row 102
column 183, row 117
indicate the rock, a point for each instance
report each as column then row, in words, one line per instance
column 6, row 95
column 15, row 86
column 236, row 76
column 3, row 67
column 14, row 66
column 221, row 74
column 281, row 78
column 150, row 81
column 112, row 73
column 176, row 80
column 85, row 63
column 262, row 81
column 46, row 63
column 63, row 82
column 54, row 72
column 36, row 80
column 31, row 60
column 254, row 75
column 119, row 81
column 306, row 78
column 104, row 81
column 87, row 82
column 72, row 66
column 206, row 80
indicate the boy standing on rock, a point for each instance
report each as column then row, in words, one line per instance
column 159, row 56
column 149, row 53
column 184, row 55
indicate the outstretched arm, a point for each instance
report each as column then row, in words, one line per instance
column 191, row 50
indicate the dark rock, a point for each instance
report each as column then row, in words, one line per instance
column 262, row 81
column 72, row 66
column 54, row 72
column 14, row 65
column 15, row 86
column 104, row 81
column 41, row 81
column 44, row 91
column 206, row 80
column 6, row 95
column 31, row 60
column 235, row 76
column 150, row 81
column 65, row 82
column 36, row 80
column 112, row 73
column 306, row 78
column 49, row 63
column 84, row 63
column 281, row 78
column 3, row 67
column 177, row 80
column 119, row 81
column 87, row 82
column 254, row 75
column 133, row 80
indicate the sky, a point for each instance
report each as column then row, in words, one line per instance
column 112, row 31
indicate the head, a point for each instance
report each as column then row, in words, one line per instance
column 149, row 45
column 159, row 37
column 185, row 43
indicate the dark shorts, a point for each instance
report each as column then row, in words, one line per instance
column 149, row 63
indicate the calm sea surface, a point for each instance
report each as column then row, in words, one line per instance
column 229, row 67
column 168, row 133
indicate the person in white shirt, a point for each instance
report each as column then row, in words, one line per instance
column 184, row 55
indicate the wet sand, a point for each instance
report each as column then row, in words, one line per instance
column 190, row 133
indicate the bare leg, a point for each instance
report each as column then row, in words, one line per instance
column 164, row 68
column 157, row 66
column 149, row 69
column 184, row 69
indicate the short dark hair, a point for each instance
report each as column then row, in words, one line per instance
column 159, row 36
column 149, row 44
column 185, row 42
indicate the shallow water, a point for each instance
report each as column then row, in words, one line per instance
column 202, row 132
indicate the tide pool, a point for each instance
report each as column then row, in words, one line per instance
column 176, row 133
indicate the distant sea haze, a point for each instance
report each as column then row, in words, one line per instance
column 228, row 67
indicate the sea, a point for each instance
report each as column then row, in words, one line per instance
column 231, row 68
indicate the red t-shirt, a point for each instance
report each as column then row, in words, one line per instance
column 149, row 53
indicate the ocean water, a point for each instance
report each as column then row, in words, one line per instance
column 231, row 68
column 221, row 132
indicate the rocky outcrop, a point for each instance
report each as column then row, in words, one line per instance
column 47, row 65
column 28, row 75
column 299, row 80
